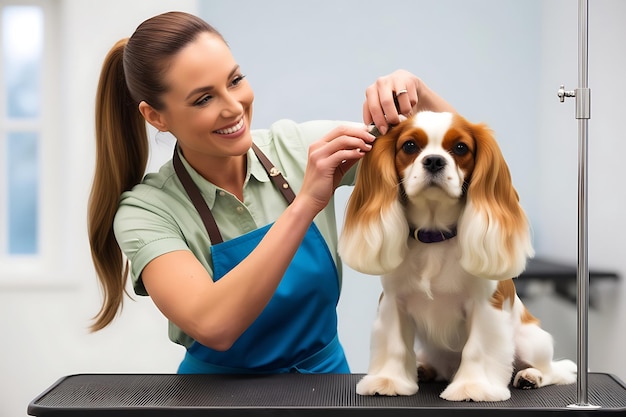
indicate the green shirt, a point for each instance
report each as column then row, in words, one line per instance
column 157, row 217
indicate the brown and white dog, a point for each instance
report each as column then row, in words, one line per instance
column 435, row 213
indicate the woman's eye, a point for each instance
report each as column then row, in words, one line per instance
column 203, row 100
column 460, row 149
column 410, row 147
column 238, row 79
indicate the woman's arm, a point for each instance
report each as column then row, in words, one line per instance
column 217, row 313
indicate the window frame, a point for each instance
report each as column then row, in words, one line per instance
column 41, row 269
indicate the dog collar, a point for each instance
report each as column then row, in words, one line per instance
column 432, row 236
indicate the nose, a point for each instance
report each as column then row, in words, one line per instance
column 434, row 163
column 231, row 104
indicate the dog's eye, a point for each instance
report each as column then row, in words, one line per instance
column 460, row 149
column 410, row 147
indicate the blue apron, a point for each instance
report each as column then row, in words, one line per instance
column 297, row 330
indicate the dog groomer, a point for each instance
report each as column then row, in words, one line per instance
column 234, row 238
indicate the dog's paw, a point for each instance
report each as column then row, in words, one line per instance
column 528, row 378
column 475, row 391
column 383, row 385
column 426, row 373
column 560, row 373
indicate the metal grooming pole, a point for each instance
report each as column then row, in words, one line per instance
column 583, row 114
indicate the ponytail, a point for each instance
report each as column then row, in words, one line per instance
column 121, row 158
column 134, row 71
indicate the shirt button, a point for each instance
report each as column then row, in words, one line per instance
column 240, row 209
column 222, row 193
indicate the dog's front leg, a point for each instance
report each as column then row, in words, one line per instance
column 487, row 358
column 393, row 368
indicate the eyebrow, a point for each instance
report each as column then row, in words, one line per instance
column 209, row 87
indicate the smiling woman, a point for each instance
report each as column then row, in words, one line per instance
column 208, row 108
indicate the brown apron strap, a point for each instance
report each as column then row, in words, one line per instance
column 198, row 201
column 277, row 178
column 200, row 204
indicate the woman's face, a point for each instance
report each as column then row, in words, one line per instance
column 208, row 106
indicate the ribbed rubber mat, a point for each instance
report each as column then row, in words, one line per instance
column 332, row 395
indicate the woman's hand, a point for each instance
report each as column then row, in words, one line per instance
column 410, row 93
column 328, row 161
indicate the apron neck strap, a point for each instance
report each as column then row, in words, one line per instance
column 196, row 198
column 277, row 178
column 200, row 204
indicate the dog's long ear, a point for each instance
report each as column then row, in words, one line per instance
column 493, row 230
column 375, row 230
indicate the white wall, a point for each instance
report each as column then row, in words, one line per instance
column 498, row 61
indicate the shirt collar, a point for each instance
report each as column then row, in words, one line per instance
column 255, row 168
column 209, row 190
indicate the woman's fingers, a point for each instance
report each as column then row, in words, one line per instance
column 389, row 97
column 330, row 158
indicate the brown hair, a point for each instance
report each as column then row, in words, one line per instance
column 133, row 71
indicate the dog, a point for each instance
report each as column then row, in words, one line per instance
column 435, row 213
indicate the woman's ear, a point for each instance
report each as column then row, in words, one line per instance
column 153, row 116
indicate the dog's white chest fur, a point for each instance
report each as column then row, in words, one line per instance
column 432, row 289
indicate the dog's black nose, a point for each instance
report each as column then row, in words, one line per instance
column 434, row 163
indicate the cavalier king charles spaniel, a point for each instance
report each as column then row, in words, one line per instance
column 434, row 212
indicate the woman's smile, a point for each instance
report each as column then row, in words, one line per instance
column 234, row 130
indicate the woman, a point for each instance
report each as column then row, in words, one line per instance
column 238, row 253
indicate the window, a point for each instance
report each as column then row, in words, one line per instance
column 22, row 50
column 26, row 129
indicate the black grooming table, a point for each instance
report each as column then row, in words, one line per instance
column 298, row 395
column 563, row 276
column 543, row 269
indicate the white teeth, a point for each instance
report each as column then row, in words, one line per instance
column 230, row 130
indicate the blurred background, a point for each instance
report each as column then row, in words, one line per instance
column 497, row 61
